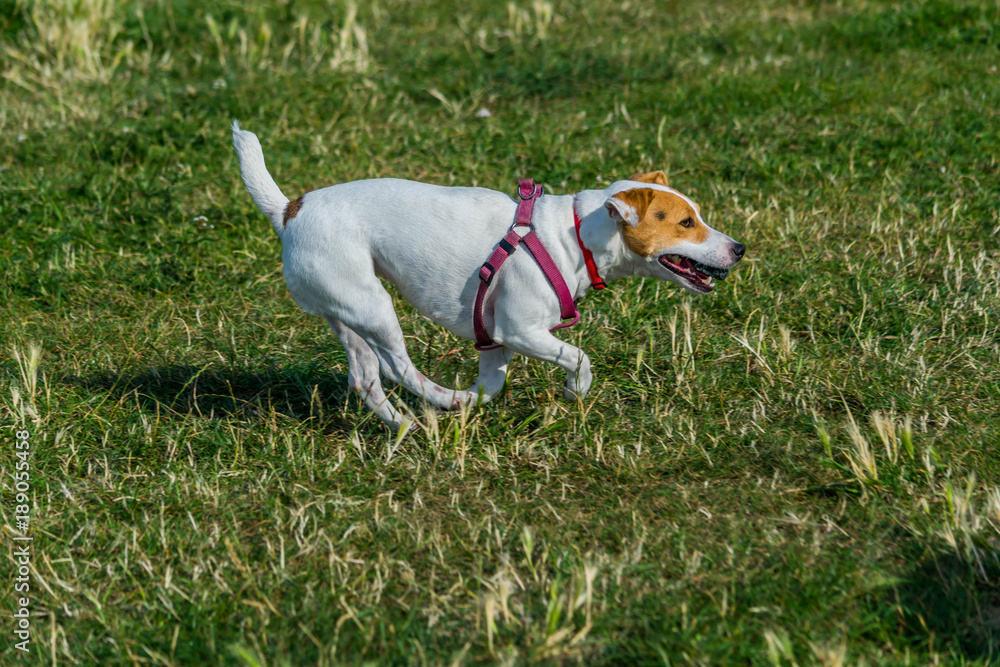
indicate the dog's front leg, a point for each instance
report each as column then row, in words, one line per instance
column 492, row 374
column 542, row 345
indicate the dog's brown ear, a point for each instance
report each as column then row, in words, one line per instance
column 629, row 206
column 657, row 177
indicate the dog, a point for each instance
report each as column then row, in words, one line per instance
column 430, row 242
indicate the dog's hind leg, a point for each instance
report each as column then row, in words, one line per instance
column 492, row 374
column 363, row 375
column 372, row 317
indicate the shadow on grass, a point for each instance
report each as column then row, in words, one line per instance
column 297, row 393
column 945, row 605
column 309, row 392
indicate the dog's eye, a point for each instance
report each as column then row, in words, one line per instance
column 660, row 215
column 687, row 222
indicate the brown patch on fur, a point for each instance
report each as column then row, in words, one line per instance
column 660, row 216
column 292, row 210
column 657, row 177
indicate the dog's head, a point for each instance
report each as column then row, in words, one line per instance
column 665, row 229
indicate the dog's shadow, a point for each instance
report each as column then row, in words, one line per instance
column 315, row 390
column 311, row 391
column 946, row 604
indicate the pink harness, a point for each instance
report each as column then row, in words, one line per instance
column 528, row 193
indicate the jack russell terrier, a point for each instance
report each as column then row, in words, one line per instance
column 430, row 242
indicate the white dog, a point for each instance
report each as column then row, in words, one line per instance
column 431, row 241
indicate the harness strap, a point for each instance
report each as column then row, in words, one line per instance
column 528, row 193
column 567, row 309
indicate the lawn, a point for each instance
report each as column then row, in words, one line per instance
column 800, row 468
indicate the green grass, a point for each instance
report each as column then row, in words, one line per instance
column 800, row 468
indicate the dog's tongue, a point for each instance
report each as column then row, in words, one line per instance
column 688, row 265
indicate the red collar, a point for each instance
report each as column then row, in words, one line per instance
column 588, row 257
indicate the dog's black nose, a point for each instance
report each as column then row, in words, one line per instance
column 738, row 250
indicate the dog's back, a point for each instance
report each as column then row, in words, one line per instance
column 427, row 240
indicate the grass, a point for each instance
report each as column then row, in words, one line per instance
column 798, row 469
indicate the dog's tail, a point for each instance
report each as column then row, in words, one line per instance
column 260, row 185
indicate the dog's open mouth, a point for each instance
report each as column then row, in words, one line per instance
column 700, row 276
